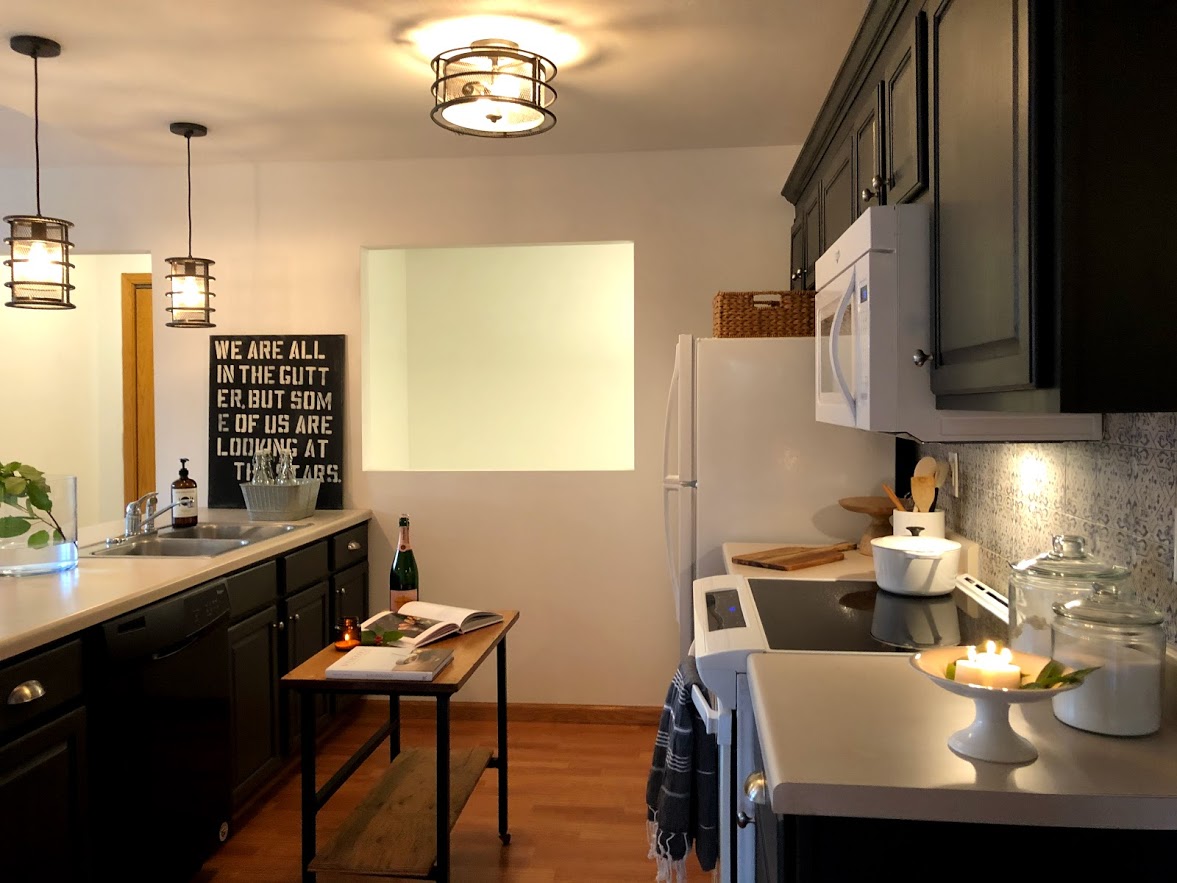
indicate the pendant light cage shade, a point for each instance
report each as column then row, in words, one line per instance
column 38, row 263
column 189, row 293
column 493, row 89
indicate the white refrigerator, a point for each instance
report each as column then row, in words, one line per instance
column 745, row 460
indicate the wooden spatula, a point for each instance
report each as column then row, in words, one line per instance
column 923, row 492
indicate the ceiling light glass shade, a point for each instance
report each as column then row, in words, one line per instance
column 189, row 295
column 493, row 89
column 38, row 263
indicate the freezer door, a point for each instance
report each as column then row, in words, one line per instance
column 678, row 508
column 767, row 470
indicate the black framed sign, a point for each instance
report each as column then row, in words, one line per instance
column 269, row 391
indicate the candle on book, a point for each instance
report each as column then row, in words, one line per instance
column 989, row 669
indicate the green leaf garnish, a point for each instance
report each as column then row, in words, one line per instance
column 1052, row 675
column 950, row 672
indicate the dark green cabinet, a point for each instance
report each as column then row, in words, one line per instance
column 797, row 255
column 43, row 801
column 811, row 221
column 905, row 111
column 255, row 659
column 839, row 198
column 870, row 189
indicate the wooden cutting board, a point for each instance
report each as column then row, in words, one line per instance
column 795, row 557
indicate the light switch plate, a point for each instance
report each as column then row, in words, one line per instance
column 954, row 474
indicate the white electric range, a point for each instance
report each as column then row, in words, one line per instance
column 736, row 616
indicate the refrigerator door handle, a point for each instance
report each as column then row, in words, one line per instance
column 667, row 490
column 670, row 396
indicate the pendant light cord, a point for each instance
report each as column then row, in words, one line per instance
column 188, row 142
column 37, row 130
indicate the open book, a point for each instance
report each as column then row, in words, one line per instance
column 391, row 663
column 420, row 622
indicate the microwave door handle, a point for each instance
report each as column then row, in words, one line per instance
column 835, row 358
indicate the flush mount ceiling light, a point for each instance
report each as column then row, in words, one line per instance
column 38, row 247
column 189, row 294
column 493, row 89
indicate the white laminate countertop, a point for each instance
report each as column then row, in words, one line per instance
column 865, row 735
column 35, row 610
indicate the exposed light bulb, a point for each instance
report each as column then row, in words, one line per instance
column 38, row 261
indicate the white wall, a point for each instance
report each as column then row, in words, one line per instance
column 63, row 403
column 581, row 555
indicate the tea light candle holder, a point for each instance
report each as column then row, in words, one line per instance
column 348, row 633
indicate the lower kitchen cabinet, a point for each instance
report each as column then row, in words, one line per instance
column 349, row 597
column 43, row 800
column 254, row 645
column 307, row 614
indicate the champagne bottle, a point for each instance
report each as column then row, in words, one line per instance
column 402, row 581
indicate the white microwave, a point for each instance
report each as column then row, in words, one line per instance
column 873, row 335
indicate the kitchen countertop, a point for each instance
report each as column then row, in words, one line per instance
column 854, row 566
column 865, row 735
column 35, row 610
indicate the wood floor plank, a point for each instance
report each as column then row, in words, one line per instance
column 554, row 769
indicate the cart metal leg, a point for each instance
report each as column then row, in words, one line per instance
column 394, row 726
column 443, row 788
column 310, row 802
column 501, row 662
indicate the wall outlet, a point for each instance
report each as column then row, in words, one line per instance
column 953, row 474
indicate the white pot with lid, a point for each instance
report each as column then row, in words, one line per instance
column 1065, row 573
column 916, row 565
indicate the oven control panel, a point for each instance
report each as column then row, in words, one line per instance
column 724, row 611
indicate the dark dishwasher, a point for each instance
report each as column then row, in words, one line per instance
column 161, row 747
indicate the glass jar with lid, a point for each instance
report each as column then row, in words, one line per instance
column 1065, row 573
column 1124, row 642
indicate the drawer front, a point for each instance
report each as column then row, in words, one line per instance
column 304, row 567
column 252, row 589
column 349, row 547
column 57, row 672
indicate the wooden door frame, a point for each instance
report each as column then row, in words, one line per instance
column 138, row 386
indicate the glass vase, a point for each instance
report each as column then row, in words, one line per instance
column 49, row 542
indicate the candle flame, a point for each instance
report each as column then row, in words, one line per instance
column 1006, row 655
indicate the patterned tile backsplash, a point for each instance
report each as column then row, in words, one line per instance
column 1119, row 493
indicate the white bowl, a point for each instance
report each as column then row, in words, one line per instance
column 916, row 565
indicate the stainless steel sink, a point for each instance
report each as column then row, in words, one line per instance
column 167, row 547
column 252, row 532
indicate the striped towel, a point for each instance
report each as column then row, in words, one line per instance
column 682, row 791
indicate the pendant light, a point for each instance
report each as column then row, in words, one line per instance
column 38, row 247
column 493, row 89
column 189, row 294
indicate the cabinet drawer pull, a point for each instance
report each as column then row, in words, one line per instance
column 354, row 546
column 29, row 691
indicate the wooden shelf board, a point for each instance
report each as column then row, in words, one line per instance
column 393, row 832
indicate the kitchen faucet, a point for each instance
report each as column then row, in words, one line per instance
column 141, row 514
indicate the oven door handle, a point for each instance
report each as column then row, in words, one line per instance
column 715, row 722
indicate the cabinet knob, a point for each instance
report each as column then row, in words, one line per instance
column 354, row 546
column 280, row 625
column 743, row 820
column 868, row 194
column 877, row 182
column 26, row 692
column 796, row 274
column 343, row 590
column 294, row 617
column 756, row 787
column 919, row 357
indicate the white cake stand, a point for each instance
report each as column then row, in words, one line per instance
column 989, row 736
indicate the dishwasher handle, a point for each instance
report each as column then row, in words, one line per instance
column 168, row 626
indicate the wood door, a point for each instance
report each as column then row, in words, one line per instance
column 138, row 387
column 981, row 298
column 870, row 189
column 839, row 201
column 254, row 675
column 905, row 117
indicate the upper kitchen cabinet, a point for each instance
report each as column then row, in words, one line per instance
column 1038, row 133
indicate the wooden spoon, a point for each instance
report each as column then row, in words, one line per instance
column 923, row 492
column 898, row 503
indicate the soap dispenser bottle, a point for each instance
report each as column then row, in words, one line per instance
column 184, row 512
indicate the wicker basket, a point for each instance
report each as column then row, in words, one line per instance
column 763, row 314
column 281, row 502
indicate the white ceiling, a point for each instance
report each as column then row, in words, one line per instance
column 337, row 80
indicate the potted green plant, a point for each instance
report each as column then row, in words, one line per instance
column 38, row 520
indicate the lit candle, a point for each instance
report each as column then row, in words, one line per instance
column 349, row 633
column 989, row 669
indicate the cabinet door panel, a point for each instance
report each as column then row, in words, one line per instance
column 254, row 660
column 870, row 189
column 839, row 200
column 43, row 801
column 797, row 254
column 306, row 634
column 905, row 93
column 813, row 240
column 982, row 292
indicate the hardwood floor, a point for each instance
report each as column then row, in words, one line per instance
column 577, row 807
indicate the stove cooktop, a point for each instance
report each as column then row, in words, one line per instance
column 856, row 616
